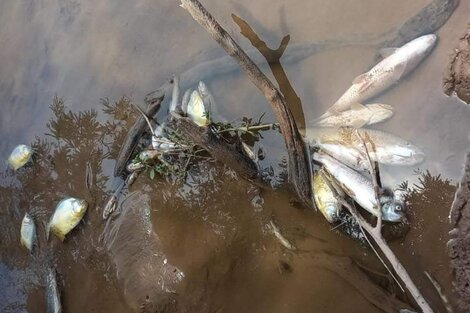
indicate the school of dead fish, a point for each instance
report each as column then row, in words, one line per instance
column 343, row 146
column 338, row 135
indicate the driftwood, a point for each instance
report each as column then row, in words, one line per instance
column 219, row 149
column 134, row 134
column 299, row 171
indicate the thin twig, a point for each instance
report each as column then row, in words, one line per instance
column 145, row 117
column 439, row 290
column 373, row 173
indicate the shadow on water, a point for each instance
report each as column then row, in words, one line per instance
column 273, row 58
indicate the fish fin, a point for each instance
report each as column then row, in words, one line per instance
column 386, row 52
column 359, row 123
column 361, row 79
column 48, row 230
column 399, row 70
column 364, row 81
column 357, row 106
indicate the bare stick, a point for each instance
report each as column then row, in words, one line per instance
column 145, row 117
column 373, row 173
column 298, row 162
column 391, row 257
column 441, row 293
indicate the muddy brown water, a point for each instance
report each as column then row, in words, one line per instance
column 201, row 242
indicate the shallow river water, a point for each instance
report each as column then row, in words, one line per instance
column 68, row 71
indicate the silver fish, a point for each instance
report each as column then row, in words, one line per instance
column 347, row 155
column 358, row 116
column 387, row 72
column 383, row 147
column 20, row 156
column 28, row 232
column 197, row 109
column 68, row 213
column 52, row 293
column 277, row 233
column 360, row 188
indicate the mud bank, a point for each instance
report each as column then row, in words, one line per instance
column 457, row 77
column 459, row 243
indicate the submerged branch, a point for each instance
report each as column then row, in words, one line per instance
column 219, row 149
column 136, row 131
column 299, row 174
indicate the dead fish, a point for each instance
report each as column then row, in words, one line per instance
column 175, row 94
column 277, row 233
column 52, row 293
column 361, row 189
column 325, row 196
column 20, row 156
column 398, row 63
column 383, row 147
column 347, row 155
column 28, row 232
column 68, row 213
column 358, row 116
column 197, row 110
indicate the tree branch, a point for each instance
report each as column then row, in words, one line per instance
column 299, row 174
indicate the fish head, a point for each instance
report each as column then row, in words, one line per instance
column 393, row 210
column 79, row 207
column 400, row 154
column 331, row 211
column 423, row 45
column 380, row 112
column 197, row 110
column 27, row 218
column 203, row 90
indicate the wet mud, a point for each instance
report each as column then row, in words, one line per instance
column 459, row 243
column 457, row 76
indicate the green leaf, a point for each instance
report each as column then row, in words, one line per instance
column 152, row 173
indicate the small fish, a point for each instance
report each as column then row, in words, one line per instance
column 358, row 116
column 383, row 147
column 398, row 63
column 196, row 109
column 20, row 156
column 361, row 189
column 277, row 233
column 68, row 213
column 324, row 196
column 53, row 304
column 28, row 232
